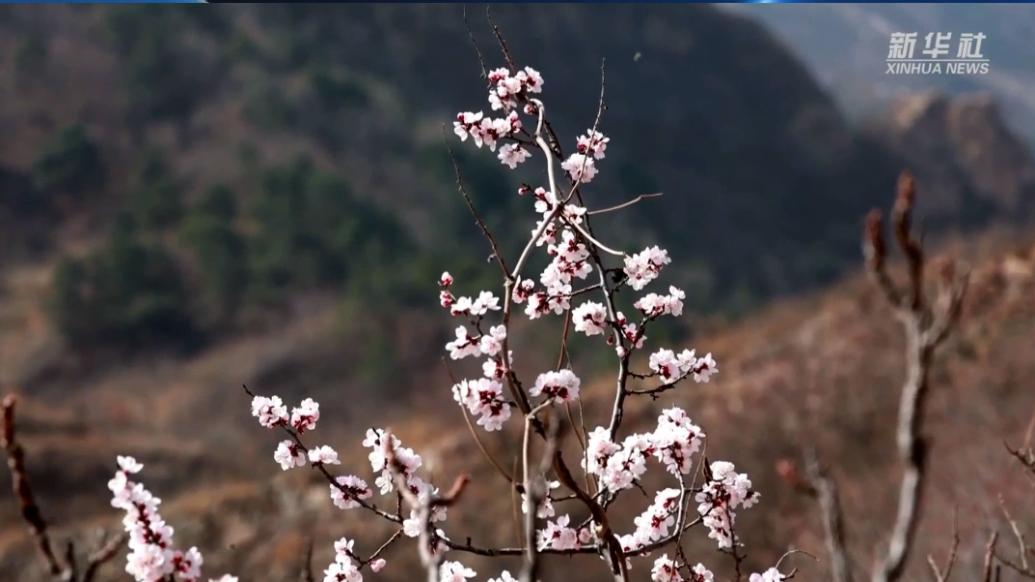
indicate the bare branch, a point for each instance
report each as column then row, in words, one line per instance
column 22, row 489
column 902, row 225
column 943, row 574
column 499, row 39
column 826, row 492
column 535, row 490
column 1022, row 547
column 924, row 330
column 493, row 245
column 625, row 204
column 474, row 43
column 989, row 557
column 875, row 252
column 103, row 555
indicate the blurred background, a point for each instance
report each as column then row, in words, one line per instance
column 196, row 198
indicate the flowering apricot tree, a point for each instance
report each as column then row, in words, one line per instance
column 581, row 284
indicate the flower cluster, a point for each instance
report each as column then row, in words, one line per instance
column 725, row 491
column 384, row 447
column 590, row 318
column 152, row 554
column 581, row 166
column 289, row 455
column 619, row 466
column 644, row 266
column 654, row 523
column 557, row 535
column 347, row 491
column 653, row 305
column 675, row 440
column 506, row 92
column 477, row 307
column 484, row 399
column 671, row 367
column 562, row 385
column 484, row 130
column 344, row 567
column 305, row 415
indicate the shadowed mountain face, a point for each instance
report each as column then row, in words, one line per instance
column 972, row 165
column 844, row 45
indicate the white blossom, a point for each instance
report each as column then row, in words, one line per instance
column 512, row 154
column 665, row 570
column 289, row 455
column 492, row 342
column 270, row 411
column 580, row 167
column 653, row 305
column 722, row 495
column 347, row 490
column 455, row 572
column 644, row 266
column 464, row 345
column 770, row 575
column 593, row 143
column 323, row 455
column 590, row 318
column 304, row 416
column 558, row 536
column 562, row 385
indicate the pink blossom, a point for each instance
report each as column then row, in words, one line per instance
column 512, row 154
column 590, row 318
column 562, row 385
column 580, row 167
column 289, row 455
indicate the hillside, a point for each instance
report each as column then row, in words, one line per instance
column 820, row 370
column 355, row 90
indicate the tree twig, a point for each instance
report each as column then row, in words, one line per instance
column 830, row 508
column 943, row 574
column 22, row 488
column 625, row 204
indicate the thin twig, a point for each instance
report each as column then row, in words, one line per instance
column 1022, row 547
column 989, row 556
column 493, row 245
column 104, row 554
column 474, row 434
column 830, row 509
column 477, row 51
column 499, row 39
column 625, row 204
